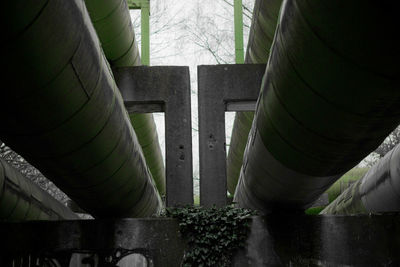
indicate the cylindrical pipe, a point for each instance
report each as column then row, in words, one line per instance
column 326, row 101
column 64, row 113
column 112, row 21
column 22, row 200
column 265, row 17
column 377, row 191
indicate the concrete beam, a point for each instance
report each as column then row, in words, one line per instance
column 221, row 88
column 165, row 89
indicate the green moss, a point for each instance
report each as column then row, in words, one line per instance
column 350, row 177
column 338, row 187
column 196, row 200
column 314, row 210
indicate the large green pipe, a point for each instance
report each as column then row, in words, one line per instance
column 113, row 25
column 22, row 200
column 63, row 111
column 330, row 96
column 265, row 16
column 377, row 191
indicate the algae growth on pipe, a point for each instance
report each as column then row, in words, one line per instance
column 22, row 200
column 112, row 21
column 330, row 96
column 63, row 111
column 265, row 17
column 377, row 191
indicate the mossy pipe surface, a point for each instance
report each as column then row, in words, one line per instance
column 265, row 17
column 64, row 113
column 112, row 21
column 22, row 200
column 330, row 96
column 377, row 191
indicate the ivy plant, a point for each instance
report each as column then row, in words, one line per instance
column 213, row 234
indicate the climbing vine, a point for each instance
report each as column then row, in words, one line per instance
column 213, row 234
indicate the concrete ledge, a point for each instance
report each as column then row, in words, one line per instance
column 306, row 240
column 158, row 239
column 274, row 240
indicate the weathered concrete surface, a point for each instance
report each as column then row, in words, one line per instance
column 274, row 240
column 158, row 239
column 165, row 89
column 221, row 88
column 300, row 240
